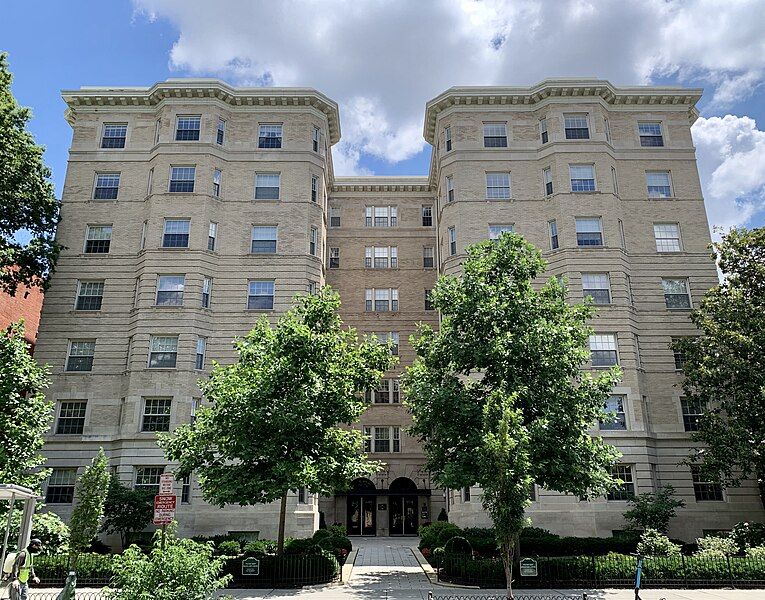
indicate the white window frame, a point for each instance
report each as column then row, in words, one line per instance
column 620, row 423
column 578, row 170
column 495, row 189
column 604, row 342
column 156, row 408
column 452, row 231
column 686, row 284
column 169, row 281
column 450, row 188
column 374, row 295
column 90, row 286
column 658, row 195
column 594, row 281
column 273, row 237
column 201, row 353
column 268, row 177
column 156, row 347
column 497, row 229
column 665, row 242
column 578, row 220
column 448, row 138
column 91, row 348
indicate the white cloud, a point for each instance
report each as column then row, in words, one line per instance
column 731, row 157
column 383, row 59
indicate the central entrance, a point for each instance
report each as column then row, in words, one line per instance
column 403, row 507
column 362, row 517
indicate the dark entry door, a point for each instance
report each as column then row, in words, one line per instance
column 361, row 515
column 403, row 515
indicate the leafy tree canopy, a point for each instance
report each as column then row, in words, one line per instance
column 25, row 414
column 27, row 198
column 88, row 511
column 654, row 510
column 126, row 510
column 725, row 366
column 279, row 417
column 497, row 394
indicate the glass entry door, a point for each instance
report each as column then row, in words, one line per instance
column 403, row 515
column 361, row 515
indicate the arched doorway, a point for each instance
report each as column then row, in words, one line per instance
column 402, row 497
column 362, row 519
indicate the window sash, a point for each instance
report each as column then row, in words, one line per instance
column 107, row 186
column 264, row 238
column 156, row 414
column 603, row 350
column 495, row 231
column 89, row 295
column 170, row 290
column 576, row 127
column 554, row 241
column 334, row 217
column 543, row 131
column 589, row 232
column 182, row 179
column 615, row 406
column 200, row 354
column 314, row 188
column 658, row 184
column 71, row 417
column 176, row 233
column 692, row 411
column 667, row 237
column 705, row 491
column 187, row 128
column 626, row 490
column 60, row 486
column 261, row 295
column 147, row 479
column 650, row 134
column 427, row 216
column 582, row 178
column 498, row 186
column 428, row 255
column 80, row 356
column 114, row 135
column 547, row 179
column 220, row 132
column 206, row 291
column 676, row 293
column 163, row 352
column 267, row 186
column 334, row 258
column 270, row 136
column 448, row 138
column 597, row 285
column 494, row 135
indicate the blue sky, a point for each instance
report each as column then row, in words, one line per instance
column 382, row 60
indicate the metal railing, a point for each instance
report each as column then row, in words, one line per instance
column 608, row 571
column 285, row 571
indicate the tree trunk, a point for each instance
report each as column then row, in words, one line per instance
column 282, row 518
column 508, row 556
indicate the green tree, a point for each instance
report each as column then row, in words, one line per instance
column 653, row 510
column 497, row 395
column 25, row 414
column 126, row 510
column 88, row 511
column 725, row 367
column 27, row 199
column 277, row 416
column 177, row 568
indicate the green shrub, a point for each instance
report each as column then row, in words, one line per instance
column 713, row 546
column 333, row 541
column 321, row 534
column 437, row 534
column 230, row 548
column 756, row 552
column 748, row 535
column 655, row 543
column 92, row 568
column 338, row 529
column 552, row 545
column 260, row 548
column 48, row 527
column 302, row 546
column 482, row 539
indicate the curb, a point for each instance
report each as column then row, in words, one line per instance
column 347, row 568
column 432, row 576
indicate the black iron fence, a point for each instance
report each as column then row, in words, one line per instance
column 283, row 571
column 93, row 570
column 611, row 570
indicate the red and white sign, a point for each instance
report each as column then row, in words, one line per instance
column 166, row 482
column 164, row 509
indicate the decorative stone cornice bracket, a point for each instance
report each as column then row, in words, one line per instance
column 196, row 89
column 381, row 184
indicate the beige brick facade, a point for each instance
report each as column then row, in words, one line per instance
column 116, row 389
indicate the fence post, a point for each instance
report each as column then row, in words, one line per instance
column 685, row 571
column 594, row 571
column 730, row 571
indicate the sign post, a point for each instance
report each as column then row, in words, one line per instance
column 164, row 512
column 528, row 567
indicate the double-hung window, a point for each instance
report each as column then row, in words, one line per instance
column 678, row 354
column 498, row 186
column 163, row 352
column 428, row 258
column 98, row 239
column 381, row 300
column 206, row 292
column 199, row 362
column 449, row 188
column 182, row 179
column 212, row 236
column 603, row 350
column 543, row 130
column 448, row 138
column 676, row 293
column 659, row 184
column 553, row 229
column 217, row 176
column 60, row 488
column 90, row 295
column 147, row 479
column 80, row 355
column 596, row 285
column 313, row 241
column 260, row 295
column 187, row 128
column 314, row 188
column 220, row 133
column 334, row 258
column 626, row 489
column 381, row 257
column 107, row 186
column 263, row 239
column 667, row 237
column 692, row 412
column 156, row 414
column 548, row 181
column 614, row 407
column 391, row 338
column 378, row 439
column 452, row 231
column 427, row 216
column 381, row 216
column 576, row 127
column 589, row 232
column 114, row 135
column 429, row 301
column 270, row 136
column 186, row 490
column 71, row 417
column 316, row 139
column 582, row 178
column 334, row 216
column 650, row 134
column 496, row 231
column 494, row 135
column 267, row 186
column 176, row 233
column 705, row 490
column 170, row 290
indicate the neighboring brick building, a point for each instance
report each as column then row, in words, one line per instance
column 191, row 208
column 25, row 304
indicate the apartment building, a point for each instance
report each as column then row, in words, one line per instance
column 192, row 208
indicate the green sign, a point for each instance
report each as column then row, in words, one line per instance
column 251, row 566
column 528, row 567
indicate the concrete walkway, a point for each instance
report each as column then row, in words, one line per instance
column 388, row 568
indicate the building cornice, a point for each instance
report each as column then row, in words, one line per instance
column 381, row 184
column 201, row 89
column 477, row 97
